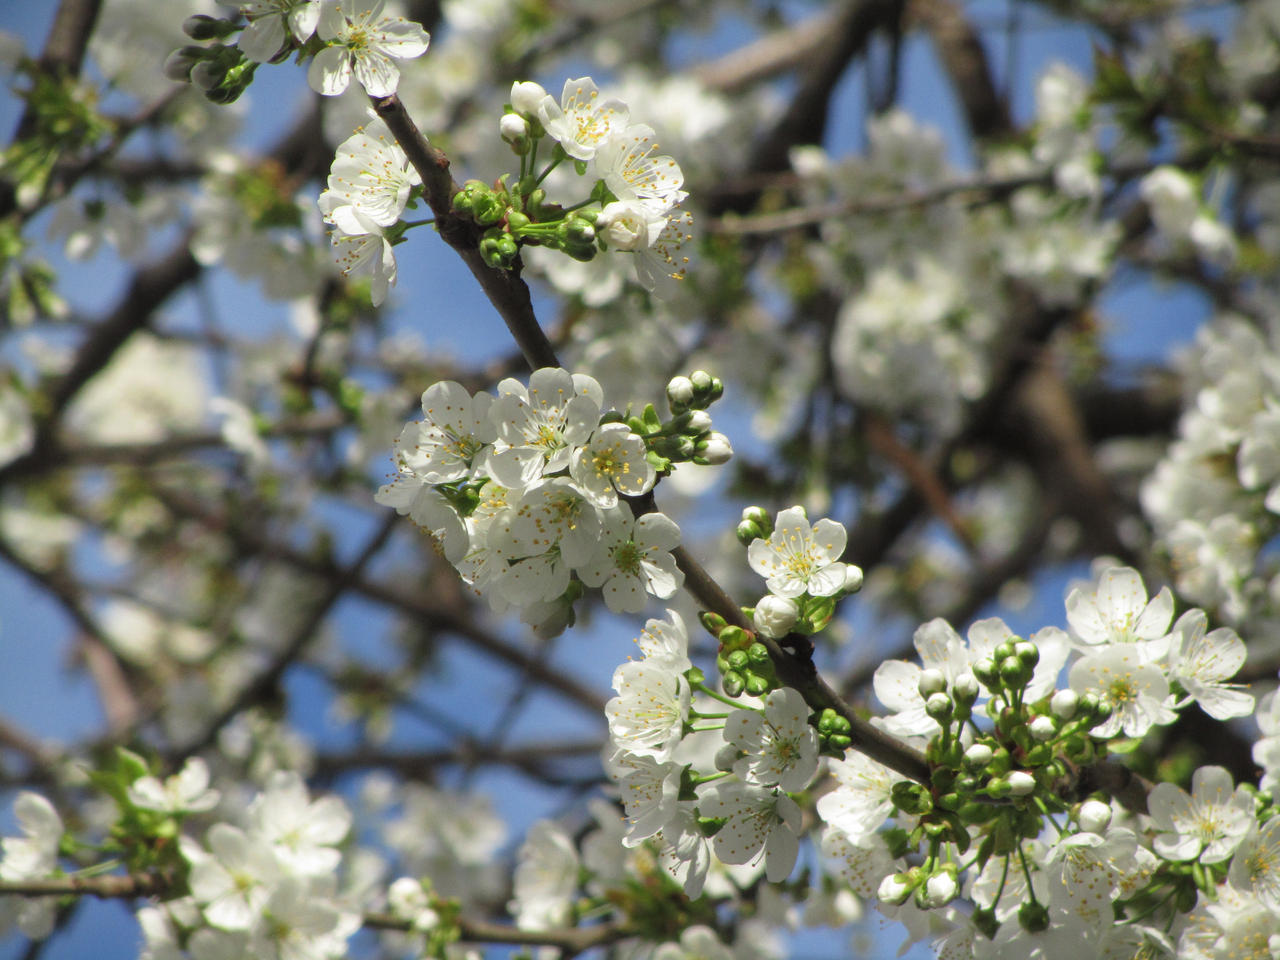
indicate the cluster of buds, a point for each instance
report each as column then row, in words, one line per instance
column 219, row 69
column 686, row 437
column 744, row 663
column 1000, row 788
column 515, row 214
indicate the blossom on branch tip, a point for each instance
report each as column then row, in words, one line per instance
column 363, row 41
column 449, row 442
column 647, row 717
column 632, row 168
column 539, row 425
column 187, row 791
column 758, row 822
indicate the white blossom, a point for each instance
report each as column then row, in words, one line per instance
column 268, row 21
column 1208, row 825
column 758, row 822
column 798, row 558
column 363, row 41
column 581, row 122
column 1138, row 692
column 649, row 712
column 545, row 878
column 187, row 791
column 781, row 748
column 634, row 558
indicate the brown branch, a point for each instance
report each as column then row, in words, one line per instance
column 960, row 49
column 921, row 475
column 505, row 289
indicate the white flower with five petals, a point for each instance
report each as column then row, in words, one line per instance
column 798, row 558
column 363, row 42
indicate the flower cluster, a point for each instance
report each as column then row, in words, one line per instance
column 1000, row 737
column 1214, row 497
column 269, row 888
column 742, row 811
column 633, row 206
column 522, row 491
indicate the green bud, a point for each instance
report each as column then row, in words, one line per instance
column 939, row 707
column 757, row 685
column 1001, row 763
column 1002, row 651
column 1013, row 674
column 949, row 801
column 178, row 65
column 998, row 788
column 986, row 672
column 746, row 532
column 737, row 659
column 975, row 813
column 734, row 638
column 733, row 683
column 758, row 654
column 713, row 623
column 1027, row 652
column 202, row 27
column 516, row 221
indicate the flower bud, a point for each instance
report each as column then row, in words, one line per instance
column 525, row 97
column 965, row 689
column 177, row 66
column 1021, row 783
column 931, row 681
column 775, row 616
column 1014, row 673
column 939, row 706
column 702, row 381
column 940, row 889
column 513, row 128
column 679, row 392
column 1063, row 704
column 1027, row 652
column 714, row 450
column 747, row 532
column 852, row 578
column 203, row 27
column 894, row 889
column 1043, row 728
column 986, row 672
column 208, row 74
column 977, row 756
column 699, row 422
column 1094, row 816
